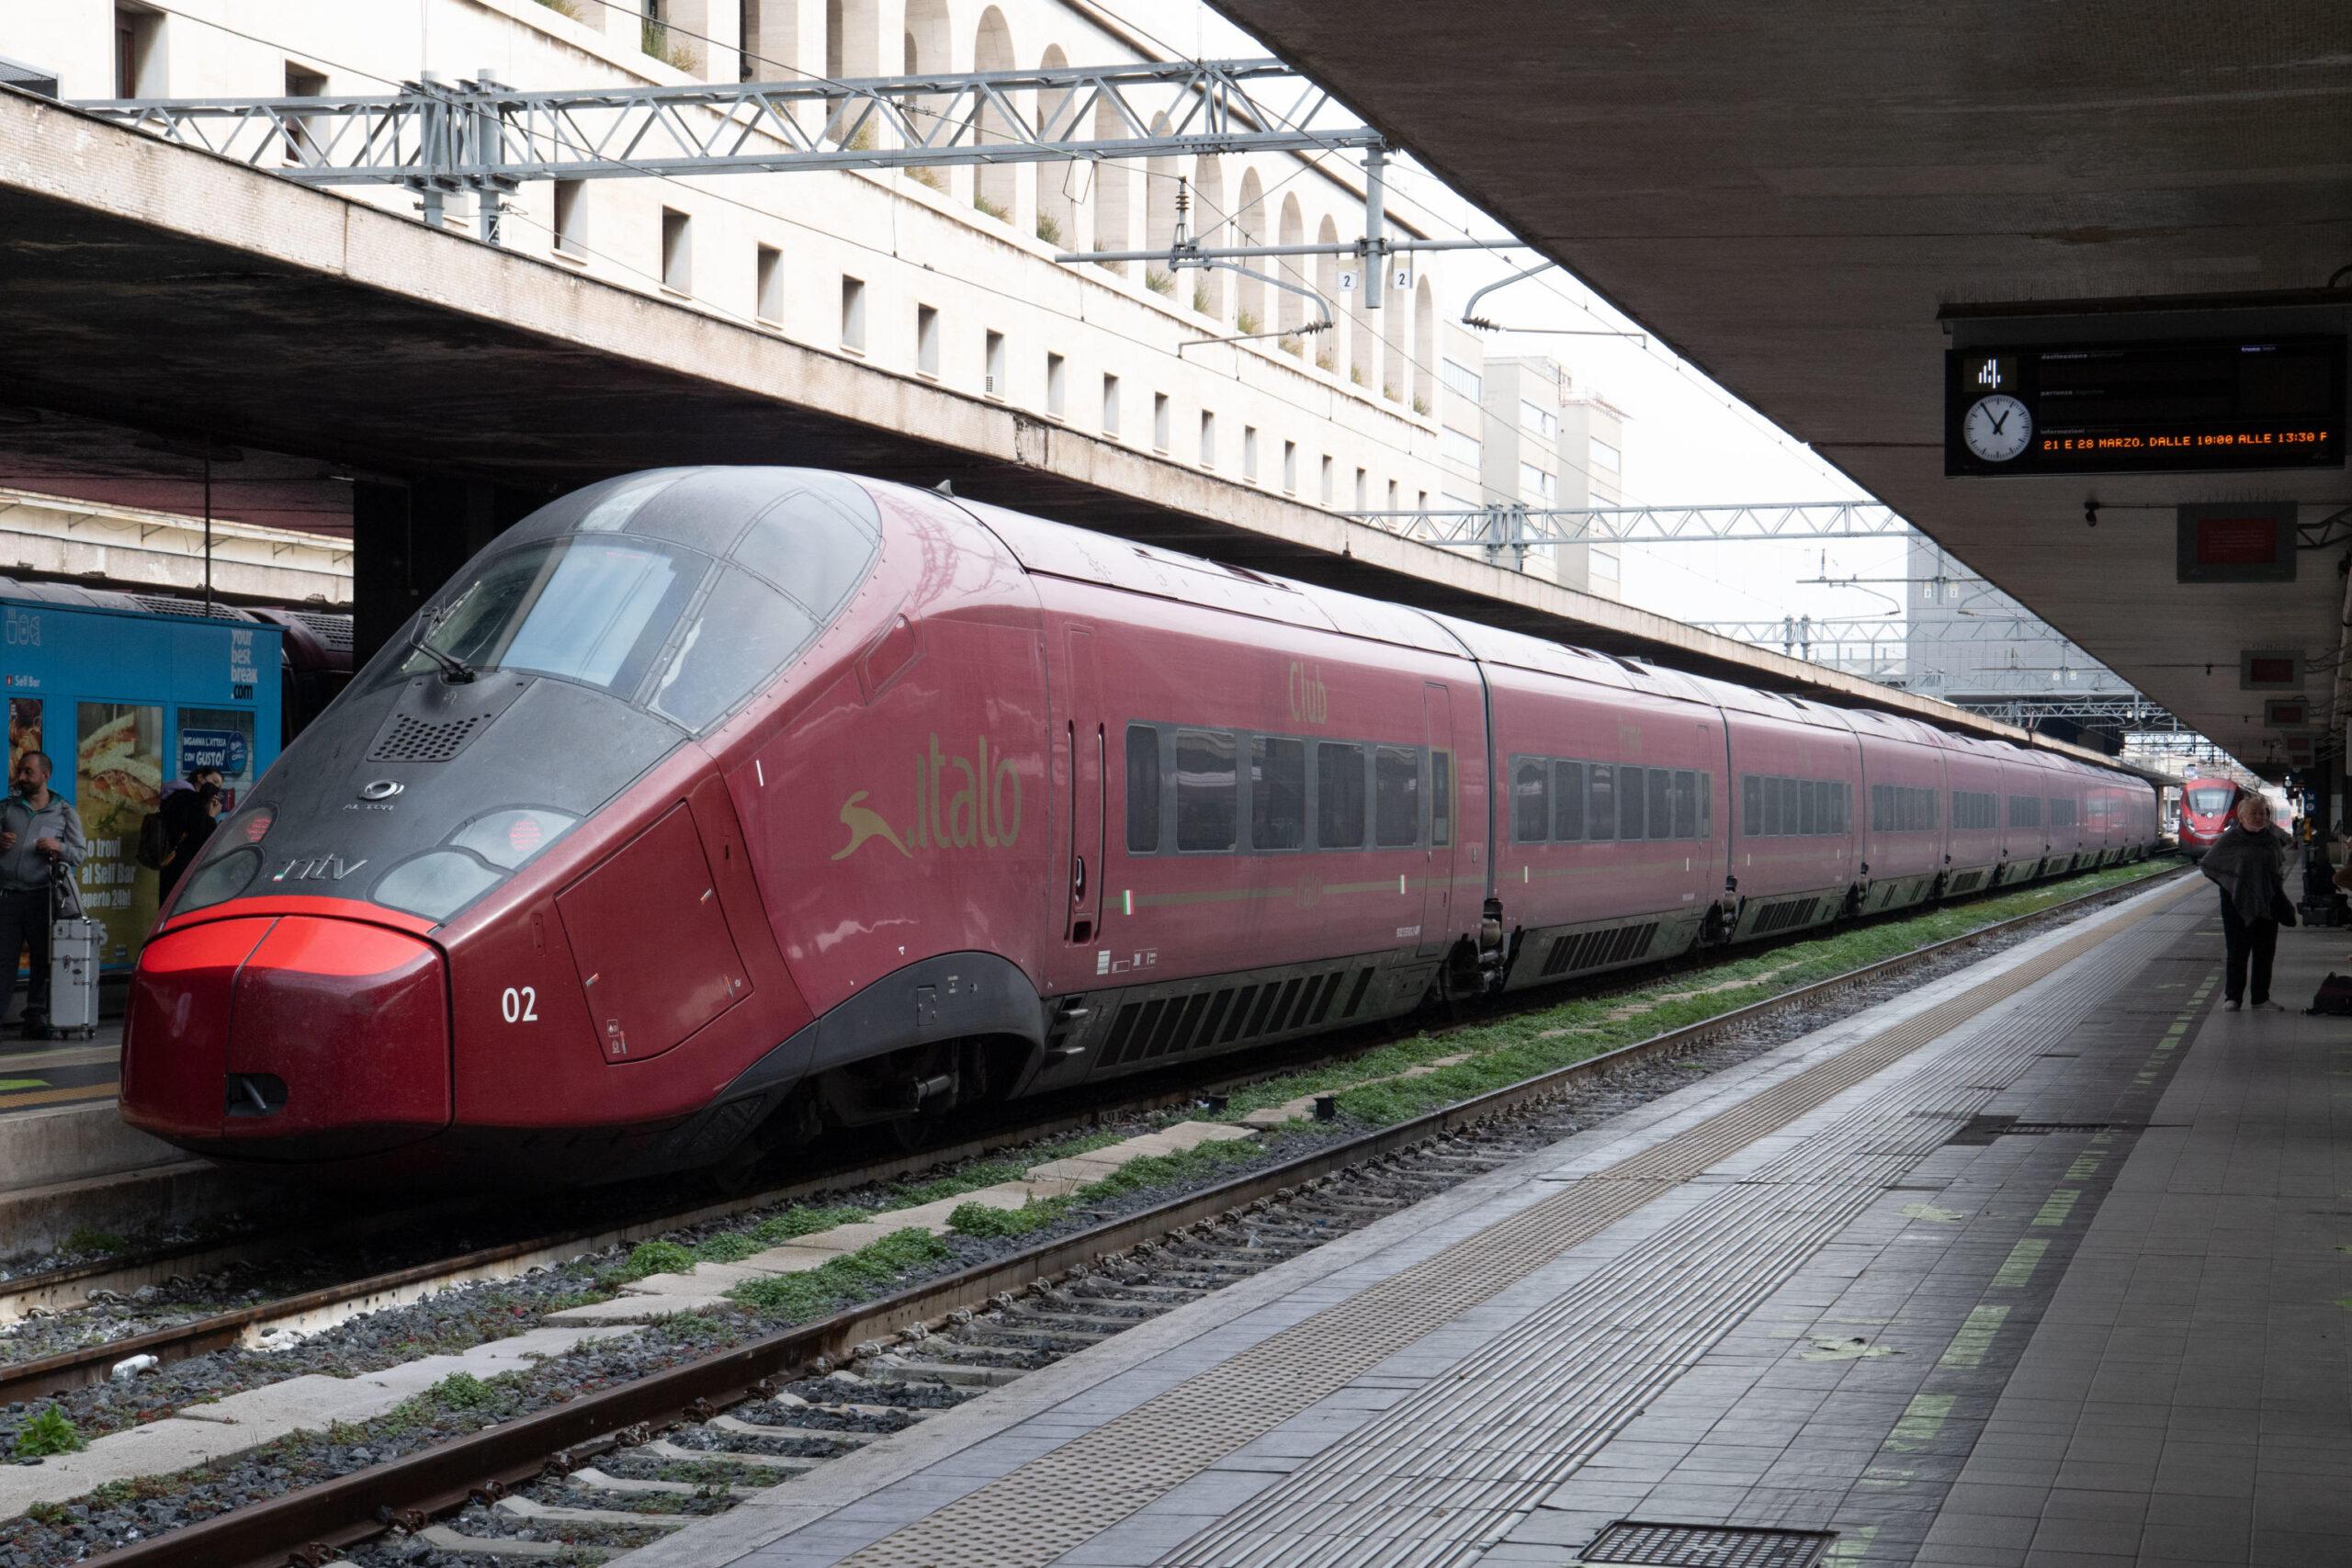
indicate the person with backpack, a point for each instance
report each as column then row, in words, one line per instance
column 40, row 837
column 156, row 829
column 2249, row 862
column 189, row 818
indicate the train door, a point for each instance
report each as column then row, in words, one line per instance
column 1445, row 829
column 1085, row 741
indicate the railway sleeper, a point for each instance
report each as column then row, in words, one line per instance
column 951, row 1374
column 602, row 1480
column 442, row 1537
column 524, row 1508
column 737, row 1426
column 663, row 1447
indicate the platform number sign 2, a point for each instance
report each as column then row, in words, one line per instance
column 520, row 1004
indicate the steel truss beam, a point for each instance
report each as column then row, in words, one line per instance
column 479, row 134
column 1806, row 631
column 2135, row 714
column 1522, row 528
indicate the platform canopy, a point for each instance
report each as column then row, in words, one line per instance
column 1795, row 195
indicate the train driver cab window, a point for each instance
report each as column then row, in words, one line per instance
column 597, row 612
column 1397, row 797
column 1143, row 789
column 739, row 634
column 2209, row 801
column 1529, row 801
column 1277, row 793
column 1339, row 796
column 1208, row 790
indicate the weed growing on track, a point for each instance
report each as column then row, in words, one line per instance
column 85, row 1239
column 49, row 1433
column 855, row 1276
column 986, row 1220
column 1509, row 1049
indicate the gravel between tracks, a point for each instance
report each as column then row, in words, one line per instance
column 473, row 1313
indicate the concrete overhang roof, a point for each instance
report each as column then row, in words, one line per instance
column 147, row 287
column 1789, row 194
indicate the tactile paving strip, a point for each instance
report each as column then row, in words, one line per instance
column 1034, row 1514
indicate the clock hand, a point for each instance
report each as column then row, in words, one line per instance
column 1998, row 423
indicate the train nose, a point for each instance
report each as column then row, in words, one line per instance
column 294, row 1037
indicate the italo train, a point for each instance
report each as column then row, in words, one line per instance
column 2207, row 803
column 707, row 809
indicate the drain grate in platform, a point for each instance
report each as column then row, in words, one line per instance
column 1635, row 1544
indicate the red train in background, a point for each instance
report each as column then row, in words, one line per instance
column 709, row 807
column 2207, row 804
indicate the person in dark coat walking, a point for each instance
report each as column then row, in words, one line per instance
column 2249, row 862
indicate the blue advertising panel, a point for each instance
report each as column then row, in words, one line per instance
column 124, row 703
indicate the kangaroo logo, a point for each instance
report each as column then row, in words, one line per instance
column 863, row 822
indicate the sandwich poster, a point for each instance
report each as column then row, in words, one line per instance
column 118, row 780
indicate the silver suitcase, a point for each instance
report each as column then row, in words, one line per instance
column 73, row 977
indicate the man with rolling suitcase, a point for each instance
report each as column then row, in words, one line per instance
column 39, row 833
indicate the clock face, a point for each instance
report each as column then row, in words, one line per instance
column 1997, row 428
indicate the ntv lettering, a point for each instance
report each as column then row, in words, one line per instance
column 959, row 803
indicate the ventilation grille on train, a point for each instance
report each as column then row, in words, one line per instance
column 1167, row 1026
column 1593, row 950
column 418, row 740
column 1966, row 882
column 333, row 631
column 1782, row 917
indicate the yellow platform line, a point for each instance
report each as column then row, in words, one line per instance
column 55, row 1096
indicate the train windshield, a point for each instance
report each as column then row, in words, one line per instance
column 653, row 625
column 2206, row 802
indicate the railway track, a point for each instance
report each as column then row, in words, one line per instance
column 621, row 1465
column 311, row 1310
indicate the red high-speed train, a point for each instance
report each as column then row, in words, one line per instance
column 710, row 806
column 2206, row 806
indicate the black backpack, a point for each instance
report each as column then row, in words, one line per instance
column 153, row 845
column 2334, row 996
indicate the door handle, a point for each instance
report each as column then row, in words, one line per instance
column 1078, row 880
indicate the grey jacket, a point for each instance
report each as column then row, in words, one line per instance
column 23, row 867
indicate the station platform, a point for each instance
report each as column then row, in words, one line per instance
column 2048, row 1262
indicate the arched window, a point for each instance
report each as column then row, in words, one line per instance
column 1395, row 330
column 997, row 191
column 1059, row 182
column 1249, row 229
column 1115, row 224
column 1160, row 214
column 1332, row 348
column 1424, row 348
column 1290, row 309
column 1209, row 213
column 930, row 52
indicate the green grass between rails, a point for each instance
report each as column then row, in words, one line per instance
column 852, row 1277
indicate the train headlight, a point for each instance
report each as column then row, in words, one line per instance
column 436, row 884
column 219, row 881
column 507, row 839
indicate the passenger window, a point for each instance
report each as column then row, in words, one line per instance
column 1686, row 804
column 1632, row 821
column 1207, row 793
column 1277, row 793
column 1601, row 814
column 1706, row 806
column 1808, row 807
column 1339, row 796
column 1397, row 797
column 1143, row 789
column 1530, row 805
column 1661, row 804
column 1751, row 805
column 1567, row 802
column 1440, row 798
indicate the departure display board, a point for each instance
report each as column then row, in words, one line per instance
column 2184, row 406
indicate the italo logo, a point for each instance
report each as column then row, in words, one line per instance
column 960, row 802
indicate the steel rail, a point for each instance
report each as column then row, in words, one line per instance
column 311, row 1521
